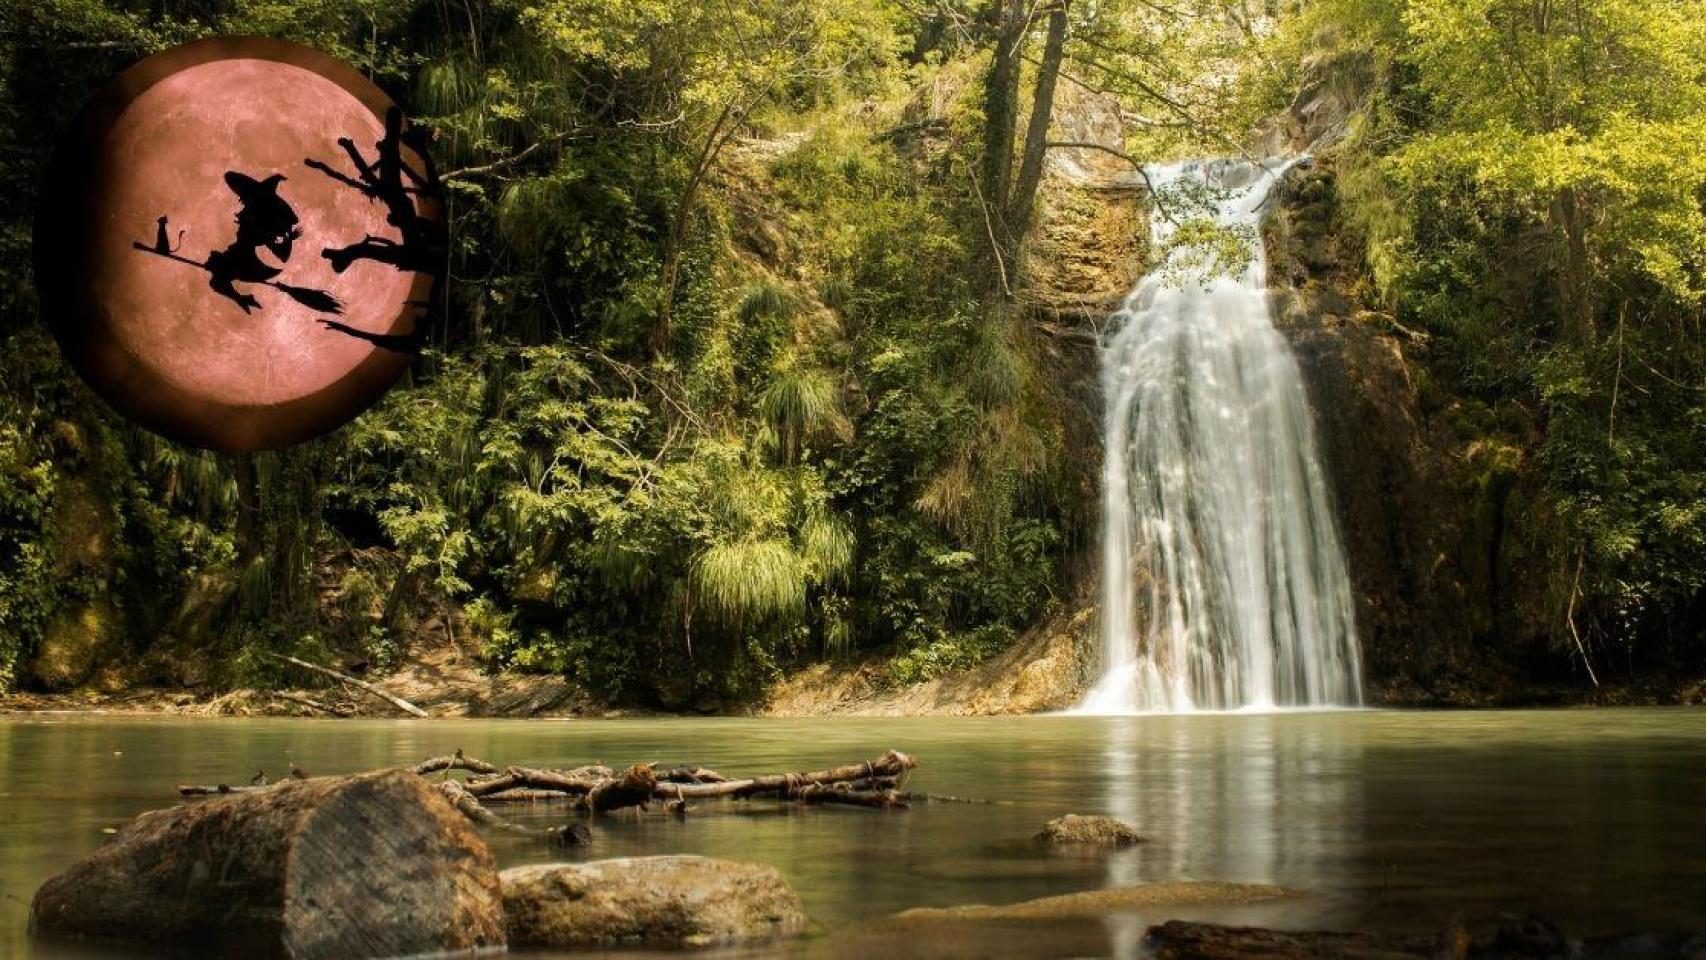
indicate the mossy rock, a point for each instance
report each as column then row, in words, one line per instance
column 83, row 528
column 75, row 644
column 1091, row 831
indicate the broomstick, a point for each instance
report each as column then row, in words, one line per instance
column 312, row 299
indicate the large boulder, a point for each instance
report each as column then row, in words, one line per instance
column 679, row 901
column 333, row 868
column 1093, row 831
column 76, row 642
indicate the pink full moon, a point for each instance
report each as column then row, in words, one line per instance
column 215, row 137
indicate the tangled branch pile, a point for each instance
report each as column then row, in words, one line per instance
column 597, row 789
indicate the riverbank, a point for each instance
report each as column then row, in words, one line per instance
column 1046, row 670
column 1040, row 674
column 441, row 680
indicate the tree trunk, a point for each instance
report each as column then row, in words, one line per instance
column 248, row 532
column 1022, row 203
column 1576, row 280
column 377, row 865
column 1001, row 122
column 676, row 239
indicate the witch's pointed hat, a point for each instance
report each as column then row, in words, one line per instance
column 249, row 189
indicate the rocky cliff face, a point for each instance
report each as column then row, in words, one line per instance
column 1396, row 515
column 1425, row 508
column 1456, row 597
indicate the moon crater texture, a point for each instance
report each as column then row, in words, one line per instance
column 150, row 332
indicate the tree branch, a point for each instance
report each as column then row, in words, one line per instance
column 1142, row 171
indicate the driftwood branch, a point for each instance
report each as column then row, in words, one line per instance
column 469, row 806
column 597, row 789
column 311, row 703
column 361, row 685
column 789, row 785
column 456, row 761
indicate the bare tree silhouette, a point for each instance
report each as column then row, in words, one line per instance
column 392, row 181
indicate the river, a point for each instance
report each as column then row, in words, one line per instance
column 1381, row 819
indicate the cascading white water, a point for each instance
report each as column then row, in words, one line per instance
column 1223, row 581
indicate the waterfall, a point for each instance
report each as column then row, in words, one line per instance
column 1223, row 581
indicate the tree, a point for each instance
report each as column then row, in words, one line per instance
column 1589, row 117
column 1008, row 199
column 1526, row 177
column 697, row 72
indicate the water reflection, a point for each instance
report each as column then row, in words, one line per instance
column 1255, row 798
column 1384, row 820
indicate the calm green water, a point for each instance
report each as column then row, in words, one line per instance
column 1392, row 820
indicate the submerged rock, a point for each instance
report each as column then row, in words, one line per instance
column 1096, row 903
column 1534, row 938
column 573, row 835
column 377, row 865
column 1179, row 940
column 683, row 901
column 1096, row 831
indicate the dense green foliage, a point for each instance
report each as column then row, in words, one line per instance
column 730, row 373
column 1528, row 180
column 706, row 396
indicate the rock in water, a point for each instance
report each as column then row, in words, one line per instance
column 1105, row 902
column 377, row 865
column 1179, row 940
column 680, row 901
column 1097, row 831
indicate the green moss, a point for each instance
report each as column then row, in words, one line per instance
column 76, row 642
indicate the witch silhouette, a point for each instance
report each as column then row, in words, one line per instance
column 264, row 220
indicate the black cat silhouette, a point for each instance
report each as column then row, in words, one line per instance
column 162, row 242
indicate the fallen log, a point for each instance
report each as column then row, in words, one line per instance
column 602, row 790
column 837, row 793
column 597, row 789
column 361, row 685
column 788, row 785
column 577, row 782
column 456, row 761
column 373, row 865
